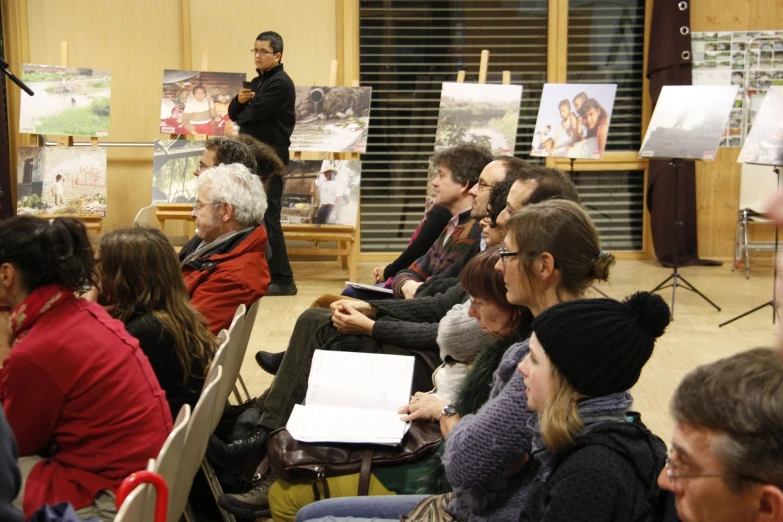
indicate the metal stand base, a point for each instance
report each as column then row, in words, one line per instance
column 676, row 279
column 740, row 316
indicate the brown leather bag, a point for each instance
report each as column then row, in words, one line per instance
column 292, row 460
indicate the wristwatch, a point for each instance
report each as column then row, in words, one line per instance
column 449, row 410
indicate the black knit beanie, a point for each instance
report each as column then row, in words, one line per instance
column 601, row 345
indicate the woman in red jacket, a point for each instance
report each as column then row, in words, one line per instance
column 79, row 394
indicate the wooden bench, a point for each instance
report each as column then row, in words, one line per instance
column 91, row 222
column 344, row 236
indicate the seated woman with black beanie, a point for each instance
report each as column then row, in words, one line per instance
column 79, row 394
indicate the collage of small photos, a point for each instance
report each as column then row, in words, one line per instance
column 719, row 59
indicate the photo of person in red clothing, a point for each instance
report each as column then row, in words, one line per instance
column 79, row 394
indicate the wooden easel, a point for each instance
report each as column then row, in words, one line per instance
column 345, row 236
column 91, row 222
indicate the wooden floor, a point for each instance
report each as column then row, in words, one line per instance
column 692, row 339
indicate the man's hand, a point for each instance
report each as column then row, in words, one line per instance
column 377, row 272
column 245, row 95
column 423, row 406
column 349, row 321
column 363, row 307
column 409, row 288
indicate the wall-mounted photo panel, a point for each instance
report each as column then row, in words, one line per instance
column 68, row 101
column 764, row 143
column 331, row 119
column 321, row 192
column 688, row 122
column 173, row 165
column 58, row 180
column 573, row 120
column 482, row 114
column 196, row 102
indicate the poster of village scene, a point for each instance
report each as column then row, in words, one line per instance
column 573, row 120
column 57, row 180
column 173, row 167
column 482, row 114
column 69, row 101
column 321, row 193
column 331, row 119
column 196, row 102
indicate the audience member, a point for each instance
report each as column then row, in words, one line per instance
column 79, row 394
column 271, row 170
column 584, row 356
column 725, row 461
column 491, row 232
column 224, row 151
column 485, row 451
column 228, row 267
column 458, row 169
column 140, row 283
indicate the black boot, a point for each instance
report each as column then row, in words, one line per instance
column 250, row 504
column 240, row 454
column 270, row 362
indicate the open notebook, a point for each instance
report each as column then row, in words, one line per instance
column 370, row 288
column 354, row 397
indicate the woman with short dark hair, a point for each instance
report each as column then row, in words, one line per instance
column 79, row 394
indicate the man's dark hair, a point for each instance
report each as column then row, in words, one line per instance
column 274, row 39
column 552, row 183
column 497, row 200
column 465, row 162
column 228, row 151
column 268, row 163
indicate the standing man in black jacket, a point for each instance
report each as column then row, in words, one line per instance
column 266, row 112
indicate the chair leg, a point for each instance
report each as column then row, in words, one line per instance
column 217, row 490
column 241, row 382
column 747, row 244
column 736, row 252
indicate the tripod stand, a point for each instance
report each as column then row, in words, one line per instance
column 772, row 303
column 676, row 279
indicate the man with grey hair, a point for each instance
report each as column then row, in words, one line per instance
column 228, row 267
column 725, row 462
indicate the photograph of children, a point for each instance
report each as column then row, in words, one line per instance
column 196, row 103
column 578, row 117
column 321, row 193
column 68, row 101
column 481, row 114
column 173, row 164
column 59, row 180
column 688, row 121
column 331, row 119
column 764, row 142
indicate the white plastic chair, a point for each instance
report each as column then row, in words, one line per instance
column 195, row 444
column 143, row 216
column 139, row 506
column 168, row 462
column 244, row 341
column 757, row 184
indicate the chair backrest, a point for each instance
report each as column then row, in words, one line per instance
column 143, row 216
column 167, row 463
column 247, row 331
column 138, row 506
column 219, row 357
column 234, row 355
column 195, row 447
column 757, row 184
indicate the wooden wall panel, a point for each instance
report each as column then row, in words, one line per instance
column 717, row 182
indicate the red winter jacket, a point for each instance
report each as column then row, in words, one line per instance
column 78, row 390
column 220, row 282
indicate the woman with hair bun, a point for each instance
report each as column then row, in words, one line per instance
column 593, row 461
column 79, row 394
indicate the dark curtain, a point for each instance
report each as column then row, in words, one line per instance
column 669, row 63
column 6, row 208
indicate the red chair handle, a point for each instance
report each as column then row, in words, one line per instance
column 148, row 477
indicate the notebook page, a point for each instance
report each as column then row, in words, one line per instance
column 330, row 424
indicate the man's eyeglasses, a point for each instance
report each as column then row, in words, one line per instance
column 484, row 186
column 674, row 475
column 197, row 206
column 262, row 52
column 505, row 254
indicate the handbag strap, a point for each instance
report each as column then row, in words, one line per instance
column 365, row 473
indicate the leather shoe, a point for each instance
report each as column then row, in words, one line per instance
column 270, row 362
column 276, row 289
column 251, row 504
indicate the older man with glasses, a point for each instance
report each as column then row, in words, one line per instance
column 725, row 462
column 228, row 267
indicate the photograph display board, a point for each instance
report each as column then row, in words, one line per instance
column 719, row 59
column 482, row 114
column 688, row 122
column 331, row 119
column 68, row 101
column 173, row 165
column 764, row 144
column 321, row 192
column 196, row 102
column 60, row 180
column 573, row 120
